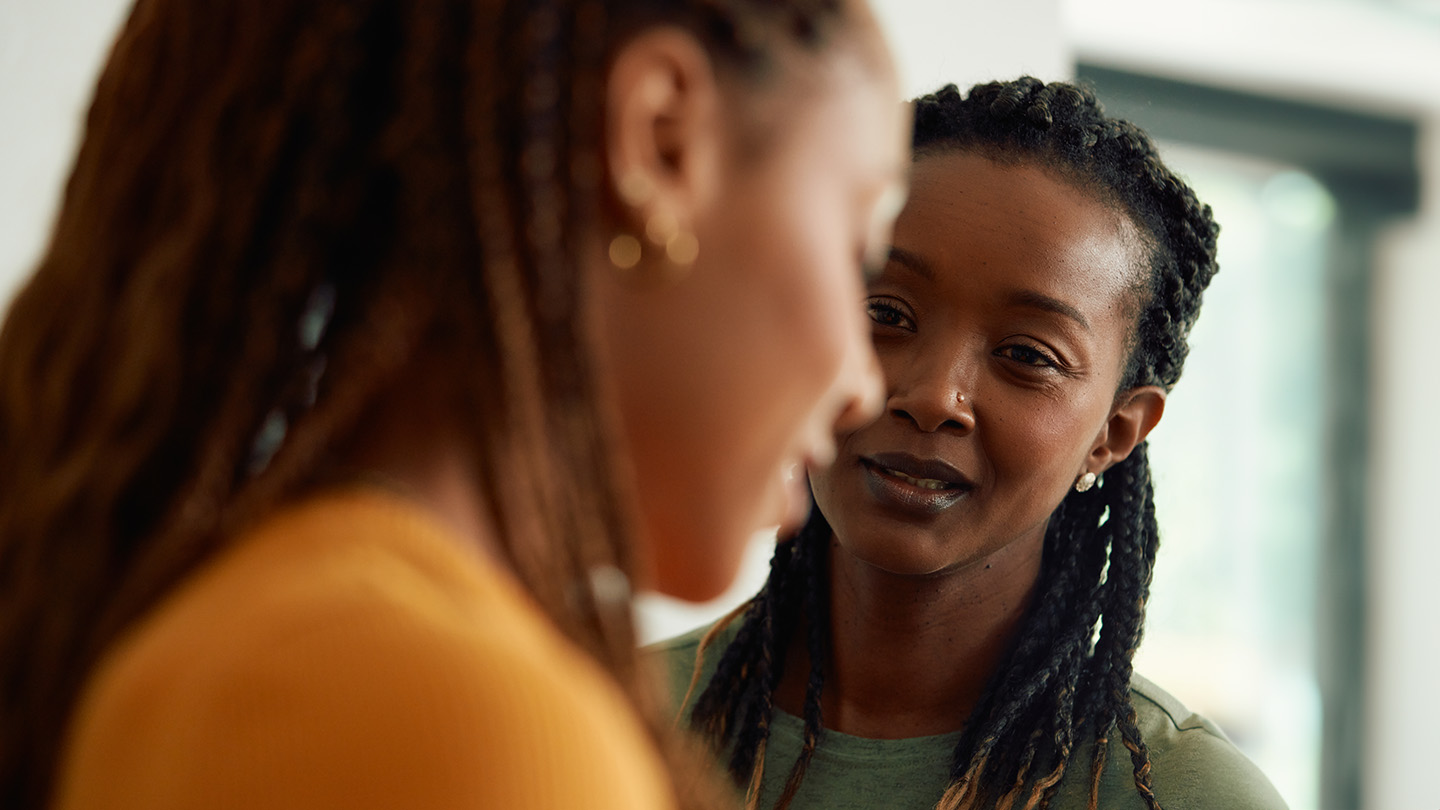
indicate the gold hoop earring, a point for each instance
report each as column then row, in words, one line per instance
column 663, row 231
column 624, row 251
column 680, row 250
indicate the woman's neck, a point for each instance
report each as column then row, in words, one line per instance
column 410, row 441
column 910, row 656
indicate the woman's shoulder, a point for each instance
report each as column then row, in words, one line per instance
column 677, row 659
column 1193, row 764
column 341, row 655
column 680, row 651
column 357, row 573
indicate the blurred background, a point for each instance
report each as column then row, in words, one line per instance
column 1298, row 590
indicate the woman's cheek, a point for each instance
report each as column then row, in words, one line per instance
column 1055, row 435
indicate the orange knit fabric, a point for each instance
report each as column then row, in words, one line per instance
column 352, row 653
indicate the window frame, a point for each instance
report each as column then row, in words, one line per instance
column 1369, row 163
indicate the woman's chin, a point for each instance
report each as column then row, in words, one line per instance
column 696, row 582
column 702, row 561
column 697, row 562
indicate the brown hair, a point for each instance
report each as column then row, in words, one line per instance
column 425, row 165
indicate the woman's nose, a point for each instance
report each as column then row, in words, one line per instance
column 934, row 396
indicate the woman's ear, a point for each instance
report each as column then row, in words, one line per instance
column 1136, row 412
column 663, row 126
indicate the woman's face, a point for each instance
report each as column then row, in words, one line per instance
column 1001, row 322
column 741, row 370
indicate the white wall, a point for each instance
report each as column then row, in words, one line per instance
column 50, row 51
column 937, row 42
column 1357, row 53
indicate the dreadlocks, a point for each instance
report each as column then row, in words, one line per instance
column 428, row 167
column 1063, row 688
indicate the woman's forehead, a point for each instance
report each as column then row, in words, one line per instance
column 1015, row 226
column 963, row 199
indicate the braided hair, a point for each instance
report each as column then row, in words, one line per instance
column 1063, row 689
column 403, row 179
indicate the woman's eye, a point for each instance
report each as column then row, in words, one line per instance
column 885, row 313
column 1027, row 355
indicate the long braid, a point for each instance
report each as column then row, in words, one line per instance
column 724, row 710
column 720, row 708
column 102, row 462
column 777, row 616
column 1060, row 690
column 1136, row 539
column 1042, row 671
column 716, row 710
column 223, row 493
column 816, row 616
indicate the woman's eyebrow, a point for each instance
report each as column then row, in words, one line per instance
column 914, row 262
column 1022, row 298
column 1038, row 300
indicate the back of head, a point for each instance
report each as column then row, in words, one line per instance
column 275, row 211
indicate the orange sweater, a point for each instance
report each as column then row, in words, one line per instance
column 351, row 653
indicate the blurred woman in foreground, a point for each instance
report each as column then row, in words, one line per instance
column 378, row 347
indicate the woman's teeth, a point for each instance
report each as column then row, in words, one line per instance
column 923, row 483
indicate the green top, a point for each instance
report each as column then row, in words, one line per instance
column 1193, row 765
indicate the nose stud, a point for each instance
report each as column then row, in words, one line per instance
column 960, row 398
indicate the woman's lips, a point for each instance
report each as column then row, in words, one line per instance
column 912, row 484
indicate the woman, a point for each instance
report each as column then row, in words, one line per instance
column 378, row 347
column 955, row 625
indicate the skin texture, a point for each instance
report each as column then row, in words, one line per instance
column 744, row 366
column 1015, row 290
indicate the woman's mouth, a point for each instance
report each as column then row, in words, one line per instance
column 923, row 483
column 906, row 483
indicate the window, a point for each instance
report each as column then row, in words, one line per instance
column 1258, row 613
column 1237, row 466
